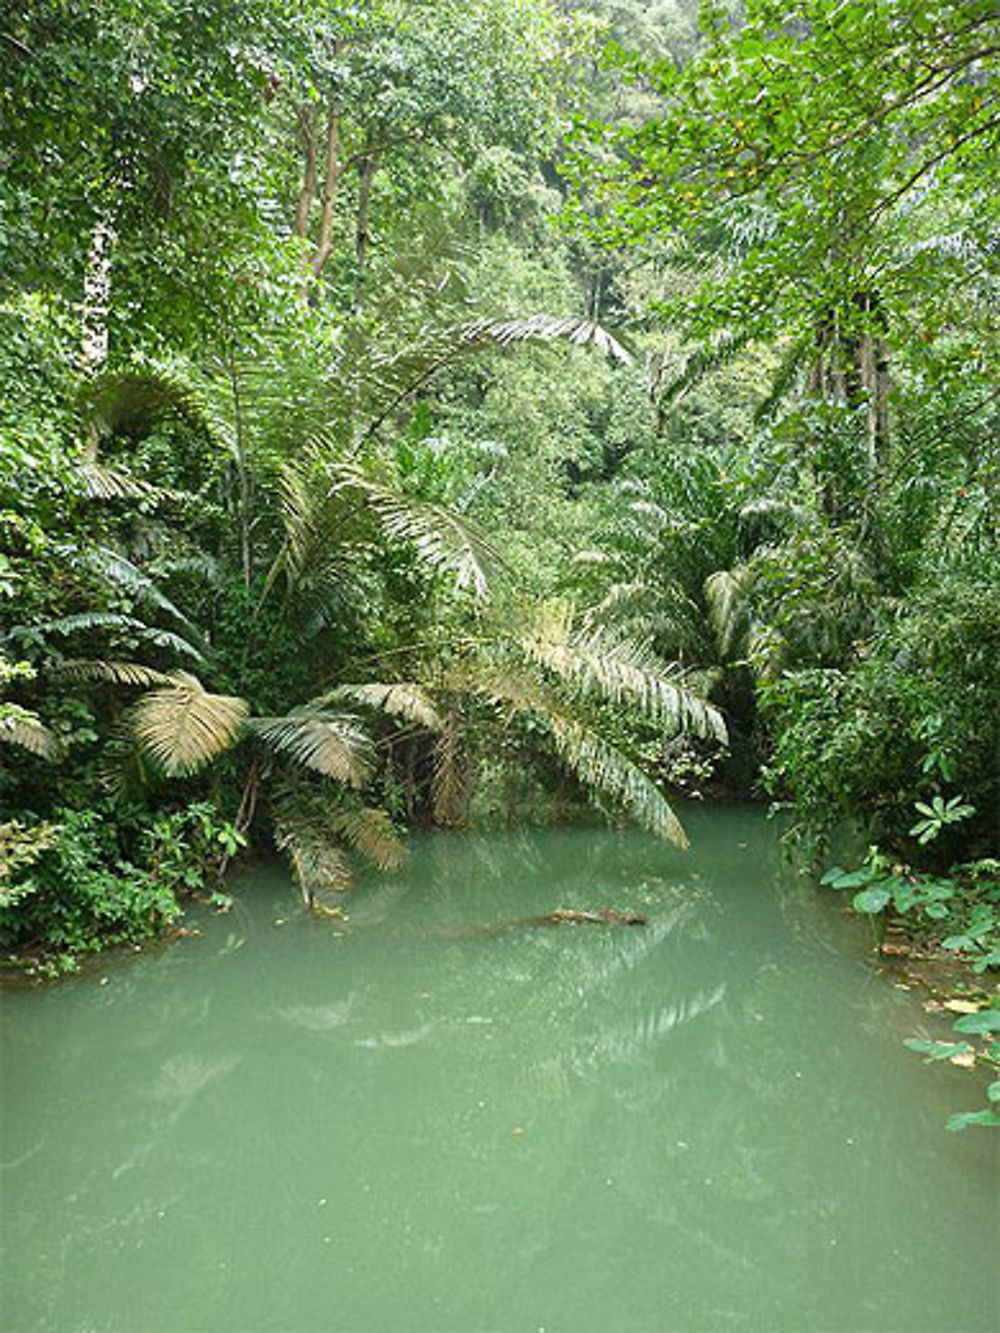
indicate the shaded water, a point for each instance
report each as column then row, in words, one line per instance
column 706, row 1123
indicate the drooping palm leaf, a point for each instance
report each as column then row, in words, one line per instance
column 102, row 481
column 701, row 363
column 118, row 571
column 117, row 673
column 183, row 726
column 330, row 743
column 622, row 672
column 598, row 764
column 601, row 765
column 391, row 380
column 370, row 832
column 441, row 538
column 451, row 775
column 20, row 727
column 318, row 864
column 402, row 699
column 727, row 592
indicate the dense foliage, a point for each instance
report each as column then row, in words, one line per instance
column 432, row 412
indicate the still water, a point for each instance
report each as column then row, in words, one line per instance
column 706, row 1123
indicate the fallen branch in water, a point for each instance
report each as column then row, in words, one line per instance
column 562, row 916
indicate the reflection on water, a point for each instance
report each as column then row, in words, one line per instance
column 707, row 1123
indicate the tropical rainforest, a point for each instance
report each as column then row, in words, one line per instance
column 430, row 413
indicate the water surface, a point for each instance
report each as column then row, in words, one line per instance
column 707, row 1123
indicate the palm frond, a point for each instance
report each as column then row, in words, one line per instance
column 451, row 776
column 700, row 363
column 784, row 378
column 117, row 673
column 318, row 864
column 102, row 481
column 312, row 830
column 20, row 727
column 137, row 401
column 402, row 699
column 182, row 726
column 116, row 570
column 390, row 380
column 329, row 743
column 370, row 832
column 91, row 621
column 442, row 539
column 727, row 592
column 546, row 329
column 602, row 766
column 622, row 672
column 81, row 622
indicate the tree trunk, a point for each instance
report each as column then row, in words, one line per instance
column 97, row 296
column 307, row 128
column 367, row 169
column 331, row 176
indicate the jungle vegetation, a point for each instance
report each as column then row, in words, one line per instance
column 431, row 412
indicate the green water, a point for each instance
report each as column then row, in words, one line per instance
column 706, row 1123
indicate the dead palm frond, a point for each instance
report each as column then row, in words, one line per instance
column 182, row 726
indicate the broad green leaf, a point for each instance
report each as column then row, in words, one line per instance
column 871, row 900
column 987, row 1020
column 937, row 1050
column 963, row 1119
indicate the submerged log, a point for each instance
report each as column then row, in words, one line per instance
column 562, row 916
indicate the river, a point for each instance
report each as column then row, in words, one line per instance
column 705, row 1123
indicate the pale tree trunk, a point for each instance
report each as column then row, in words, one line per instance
column 331, row 177
column 96, row 307
column 307, row 130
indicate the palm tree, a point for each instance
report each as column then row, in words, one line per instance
column 318, row 516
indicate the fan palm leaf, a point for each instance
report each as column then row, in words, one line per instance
column 182, row 726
